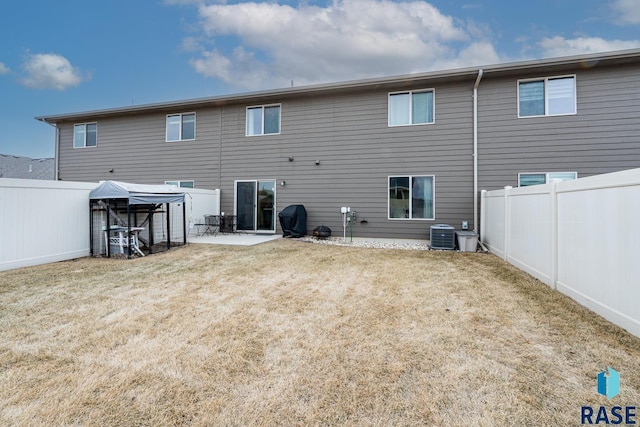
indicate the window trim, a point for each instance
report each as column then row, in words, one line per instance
column 85, row 135
column 180, row 181
column 546, row 176
column 411, row 92
column 166, row 127
column 262, row 107
column 546, row 95
column 433, row 202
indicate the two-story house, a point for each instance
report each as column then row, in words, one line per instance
column 404, row 152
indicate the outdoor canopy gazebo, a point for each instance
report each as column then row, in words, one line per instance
column 112, row 200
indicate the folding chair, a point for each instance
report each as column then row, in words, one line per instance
column 212, row 224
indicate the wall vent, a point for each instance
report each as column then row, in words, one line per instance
column 442, row 236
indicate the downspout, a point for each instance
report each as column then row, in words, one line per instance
column 56, row 154
column 220, row 152
column 475, row 150
column 56, row 149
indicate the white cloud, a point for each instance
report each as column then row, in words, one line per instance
column 3, row 69
column 627, row 11
column 240, row 68
column 347, row 39
column 476, row 53
column 560, row 46
column 50, row 71
column 190, row 44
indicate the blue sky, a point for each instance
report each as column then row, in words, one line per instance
column 69, row 56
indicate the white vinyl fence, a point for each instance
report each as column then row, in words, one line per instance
column 48, row 221
column 43, row 221
column 580, row 237
column 200, row 203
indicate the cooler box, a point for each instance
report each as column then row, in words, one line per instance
column 467, row 241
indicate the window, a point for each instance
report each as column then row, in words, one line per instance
column 85, row 135
column 181, row 184
column 181, row 127
column 411, row 197
column 263, row 120
column 527, row 179
column 547, row 97
column 411, row 108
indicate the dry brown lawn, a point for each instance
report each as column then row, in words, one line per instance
column 292, row 333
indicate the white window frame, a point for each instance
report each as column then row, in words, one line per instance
column 546, row 95
column 179, row 183
column 84, row 142
column 433, row 184
column 262, row 107
column 411, row 92
column 180, row 138
column 548, row 176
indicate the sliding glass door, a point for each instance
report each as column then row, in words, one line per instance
column 255, row 205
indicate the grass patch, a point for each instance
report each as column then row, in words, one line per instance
column 290, row 333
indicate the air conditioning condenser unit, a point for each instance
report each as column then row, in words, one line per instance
column 442, row 236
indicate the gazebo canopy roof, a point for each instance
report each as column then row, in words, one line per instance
column 137, row 194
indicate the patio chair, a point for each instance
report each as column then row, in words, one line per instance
column 212, row 224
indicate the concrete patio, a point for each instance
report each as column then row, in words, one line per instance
column 236, row 239
column 247, row 239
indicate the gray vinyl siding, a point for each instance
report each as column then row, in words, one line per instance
column 357, row 151
column 135, row 148
column 347, row 132
column 602, row 137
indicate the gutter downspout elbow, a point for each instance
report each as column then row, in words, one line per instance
column 475, row 149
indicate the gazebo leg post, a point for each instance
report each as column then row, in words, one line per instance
column 168, row 226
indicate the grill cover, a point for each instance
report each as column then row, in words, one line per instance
column 293, row 221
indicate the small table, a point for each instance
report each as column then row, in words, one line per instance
column 227, row 224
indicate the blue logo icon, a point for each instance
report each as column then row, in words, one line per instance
column 609, row 384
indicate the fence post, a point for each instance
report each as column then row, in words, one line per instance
column 483, row 214
column 554, row 234
column 507, row 222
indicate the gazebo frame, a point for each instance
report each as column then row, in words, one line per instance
column 112, row 195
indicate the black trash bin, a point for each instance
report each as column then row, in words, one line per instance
column 293, row 221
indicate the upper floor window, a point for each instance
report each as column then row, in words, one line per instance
column 263, row 120
column 85, row 135
column 411, row 197
column 181, row 127
column 547, row 97
column 411, row 108
column 535, row 178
